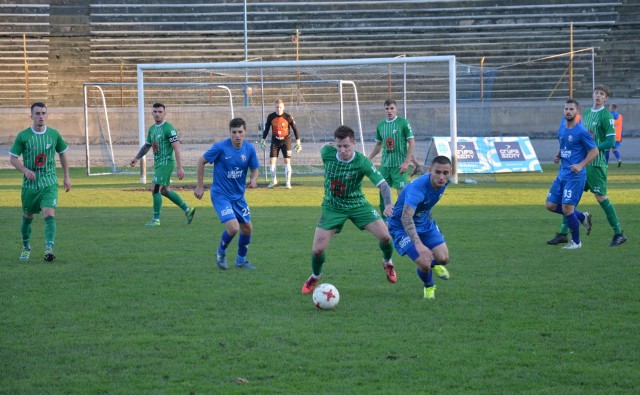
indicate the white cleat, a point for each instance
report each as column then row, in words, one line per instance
column 572, row 245
column 272, row 184
column 288, row 186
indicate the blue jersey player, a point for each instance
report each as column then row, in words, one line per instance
column 413, row 229
column 231, row 158
column 577, row 149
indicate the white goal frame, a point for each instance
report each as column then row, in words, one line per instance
column 450, row 59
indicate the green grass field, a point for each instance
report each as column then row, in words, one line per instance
column 126, row 309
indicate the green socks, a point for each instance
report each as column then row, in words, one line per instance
column 316, row 264
column 387, row 250
column 157, row 205
column 612, row 217
column 25, row 229
column 49, row 230
column 177, row 200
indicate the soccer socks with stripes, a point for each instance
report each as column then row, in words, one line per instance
column 225, row 240
column 25, row 230
column 243, row 247
column 49, row 231
column 157, row 205
column 574, row 226
column 427, row 278
column 387, row 250
column 612, row 217
column 316, row 264
column 177, row 200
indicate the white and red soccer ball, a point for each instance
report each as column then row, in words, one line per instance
column 326, row 296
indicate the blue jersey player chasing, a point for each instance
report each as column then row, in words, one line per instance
column 413, row 229
column 231, row 158
column 577, row 149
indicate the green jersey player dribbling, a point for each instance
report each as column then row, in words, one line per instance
column 163, row 139
column 38, row 146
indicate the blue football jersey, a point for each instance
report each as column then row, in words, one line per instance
column 230, row 167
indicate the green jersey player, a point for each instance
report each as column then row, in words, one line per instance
column 394, row 138
column 344, row 169
column 38, row 146
column 600, row 124
column 163, row 139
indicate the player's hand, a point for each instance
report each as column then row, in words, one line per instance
column 298, row 146
column 67, row 184
column 133, row 162
column 180, row 173
column 252, row 184
column 556, row 159
column 403, row 167
column 198, row 192
column 31, row 175
column 263, row 144
column 388, row 210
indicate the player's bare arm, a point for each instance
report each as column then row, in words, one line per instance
column 410, row 228
column 65, row 169
column 253, row 180
column 410, row 147
column 591, row 155
column 176, row 150
column 17, row 163
column 143, row 151
column 376, row 150
column 385, row 191
column 199, row 191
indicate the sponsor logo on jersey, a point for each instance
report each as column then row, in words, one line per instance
column 404, row 242
column 235, row 173
column 226, row 211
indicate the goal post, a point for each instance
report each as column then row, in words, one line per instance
column 420, row 82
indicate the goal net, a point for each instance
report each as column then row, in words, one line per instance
column 201, row 98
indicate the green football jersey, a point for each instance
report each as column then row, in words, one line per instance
column 600, row 124
column 160, row 138
column 38, row 150
column 393, row 135
column 343, row 180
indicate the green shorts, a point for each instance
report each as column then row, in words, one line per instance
column 334, row 218
column 596, row 180
column 394, row 178
column 34, row 200
column 162, row 174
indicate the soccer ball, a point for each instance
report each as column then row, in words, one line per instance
column 326, row 296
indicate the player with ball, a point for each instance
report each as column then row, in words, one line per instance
column 413, row 229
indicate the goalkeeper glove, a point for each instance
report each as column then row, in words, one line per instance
column 263, row 144
column 298, row 146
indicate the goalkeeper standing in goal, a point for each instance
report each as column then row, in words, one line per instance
column 281, row 124
column 163, row 139
column 396, row 135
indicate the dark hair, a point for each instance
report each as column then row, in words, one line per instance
column 574, row 101
column 343, row 132
column 38, row 104
column 156, row 105
column 613, row 106
column 389, row 102
column 237, row 122
column 441, row 159
column 603, row 88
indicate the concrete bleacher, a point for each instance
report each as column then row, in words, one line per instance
column 73, row 41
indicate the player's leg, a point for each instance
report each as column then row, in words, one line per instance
column 598, row 182
column 273, row 155
column 49, row 202
column 161, row 178
column 175, row 198
column 227, row 216
column 554, row 204
column 616, row 152
column 440, row 260
column 243, row 214
column 366, row 217
column 30, row 205
column 286, row 154
column 330, row 222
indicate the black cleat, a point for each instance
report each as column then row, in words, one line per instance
column 48, row 255
column 558, row 239
column 618, row 239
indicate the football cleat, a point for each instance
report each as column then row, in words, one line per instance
column 244, row 265
column 288, row 185
column 272, row 184
column 190, row 214
column 619, row 163
column 558, row 239
column 572, row 245
column 587, row 222
column 430, row 292
column 26, row 253
column 618, row 239
column 390, row 271
column 153, row 222
column 221, row 260
column 308, row 285
column 48, row 254
column 441, row 271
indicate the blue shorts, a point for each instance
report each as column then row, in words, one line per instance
column 565, row 192
column 430, row 237
column 228, row 210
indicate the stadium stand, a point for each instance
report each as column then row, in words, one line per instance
column 71, row 41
